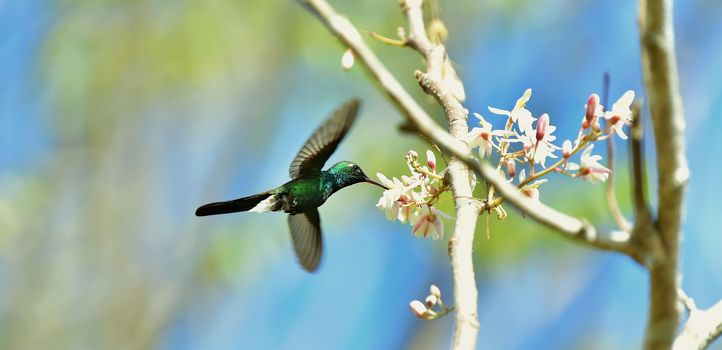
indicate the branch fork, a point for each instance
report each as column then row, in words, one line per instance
column 652, row 243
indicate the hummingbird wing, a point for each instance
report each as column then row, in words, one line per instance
column 319, row 147
column 306, row 236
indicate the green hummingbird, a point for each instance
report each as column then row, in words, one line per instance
column 309, row 188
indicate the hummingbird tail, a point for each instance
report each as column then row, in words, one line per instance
column 241, row 204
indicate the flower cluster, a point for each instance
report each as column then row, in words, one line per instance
column 524, row 147
column 411, row 198
column 425, row 310
column 527, row 142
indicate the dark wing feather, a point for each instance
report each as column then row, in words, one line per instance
column 306, row 236
column 319, row 147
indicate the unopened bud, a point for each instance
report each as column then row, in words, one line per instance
column 437, row 31
column 510, row 167
column 401, row 33
column 431, row 160
column 592, row 104
column 411, row 156
column 434, row 290
column 418, row 308
column 541, row 126
column 567, row 148
column 431, row 300
column 347, row 60
column 585, row 124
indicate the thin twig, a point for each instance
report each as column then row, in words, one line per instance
column 644, row 232
column 611, row 195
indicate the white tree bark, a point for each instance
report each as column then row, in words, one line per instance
column 659, row 69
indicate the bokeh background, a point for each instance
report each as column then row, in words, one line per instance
column 118, row 118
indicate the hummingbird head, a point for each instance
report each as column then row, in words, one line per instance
column 348, row 173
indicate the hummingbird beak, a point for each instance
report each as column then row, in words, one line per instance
column 375, row 183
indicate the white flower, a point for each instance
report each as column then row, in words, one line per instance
column 482, row 137
column 621, row 114
column 389, row 200
column 428, row 223
column 543, row 151
column 538, row 144
column 531, row 190
column 519, row 114
column 405, row 211
column 400, row 200
column 590, row 167
column 431, row 300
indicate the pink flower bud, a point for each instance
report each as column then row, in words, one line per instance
column 510, row 167
column 541, row 126
column 567, row 148
column 418, row 308
column 431, row 160
column 592, row 104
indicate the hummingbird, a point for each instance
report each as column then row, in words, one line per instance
column 309, row 187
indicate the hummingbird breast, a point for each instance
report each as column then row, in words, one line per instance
column 300, row 195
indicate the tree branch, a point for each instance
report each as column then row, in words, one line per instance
column 638, row 165
column 644, row 232
column 659, row 69
column 460, row 245
column 567, row 226
column 702, row 326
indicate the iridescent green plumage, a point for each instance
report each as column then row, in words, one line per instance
column 309, row 188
